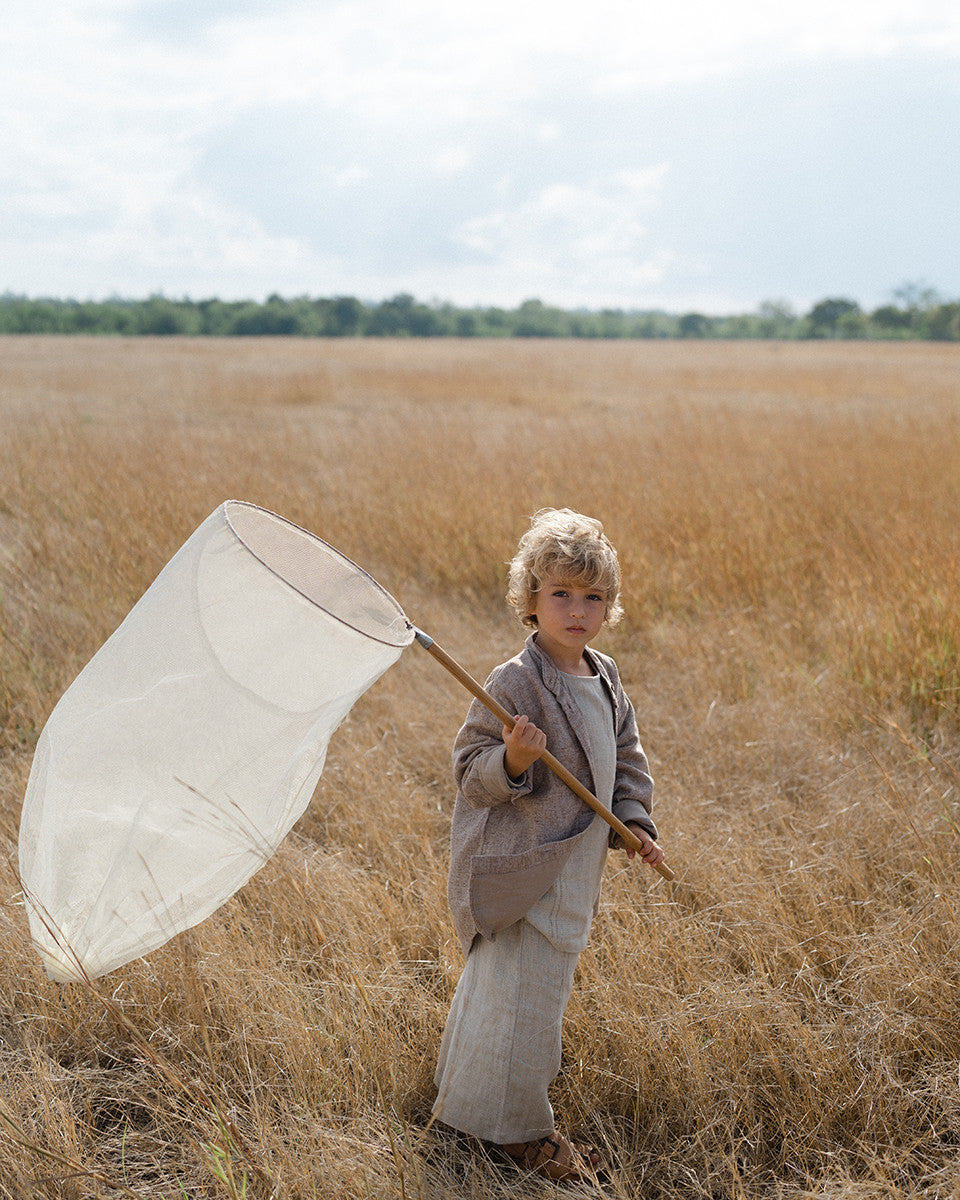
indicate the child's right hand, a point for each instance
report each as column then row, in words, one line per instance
column 525, row 743
column 652, row 853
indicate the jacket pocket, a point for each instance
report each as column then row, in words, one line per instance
column 504, row 887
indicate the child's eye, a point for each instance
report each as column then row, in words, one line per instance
column 599, row 599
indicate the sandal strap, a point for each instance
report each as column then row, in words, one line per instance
column 543, row 1143
column 548, row 1163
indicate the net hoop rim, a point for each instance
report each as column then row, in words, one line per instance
column 247, row 504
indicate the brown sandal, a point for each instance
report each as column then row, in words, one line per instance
column 554, row 1158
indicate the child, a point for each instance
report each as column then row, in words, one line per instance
column 526, row 854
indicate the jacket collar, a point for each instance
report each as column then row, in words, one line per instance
column 553, row 678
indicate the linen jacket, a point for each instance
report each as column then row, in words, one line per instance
column 510, row 839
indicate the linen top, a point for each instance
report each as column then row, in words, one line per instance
column 565, row 913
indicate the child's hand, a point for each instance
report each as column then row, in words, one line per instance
column 651, row 853
column 525, row 743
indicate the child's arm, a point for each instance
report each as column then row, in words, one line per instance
column 524, row 745
column 480, row 751
column 633, row 789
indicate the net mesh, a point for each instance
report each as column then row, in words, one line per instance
column 322, row 574
column 191, row 743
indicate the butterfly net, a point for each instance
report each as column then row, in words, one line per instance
column 187, row 748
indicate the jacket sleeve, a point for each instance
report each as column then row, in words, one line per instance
column 478, row 754
column 633, row 786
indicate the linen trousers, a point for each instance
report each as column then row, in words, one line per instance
column 501, row 1046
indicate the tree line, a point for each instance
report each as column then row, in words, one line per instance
column 914, row 313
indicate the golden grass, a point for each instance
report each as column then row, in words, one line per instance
column 783, row 1021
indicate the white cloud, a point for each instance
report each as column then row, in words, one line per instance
column 576, row 240
column 134, row 249
column 549, row 131
column 447, row 62
column 451, row 160
column 108, row 118
column 700, row 38
column 351, row 176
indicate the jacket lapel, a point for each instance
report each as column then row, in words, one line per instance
column 553, row 681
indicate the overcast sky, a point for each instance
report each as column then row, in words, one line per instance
column 688, row 154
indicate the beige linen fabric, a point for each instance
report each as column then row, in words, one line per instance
column 501, row 1047
column 565, row 912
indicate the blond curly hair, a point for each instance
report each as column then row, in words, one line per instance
column 573, row 549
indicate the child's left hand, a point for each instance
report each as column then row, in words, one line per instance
column 651, row 853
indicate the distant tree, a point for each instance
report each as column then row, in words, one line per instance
column 467, row 324
column 393, row 318
column 891, row 321
column 653, row 324
column 217, row 316
column 852, row 324
column 34, row 316
column 918, row 314
column 693, row 325
column 535, row 319
column 942, row 323
column 160, row 317
column 831, row 318
column 776, row 319
column 916, row 297
column 741, row 326
column 611, row 323
column 346, row 317
column 496, row 322
column 427, row 321
column 919, row 304
column 273, row 319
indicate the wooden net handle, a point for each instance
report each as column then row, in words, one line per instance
column 547, row 758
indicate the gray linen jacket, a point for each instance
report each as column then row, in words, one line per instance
column 509, row 839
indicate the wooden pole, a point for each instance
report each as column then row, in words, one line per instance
column 547, row 758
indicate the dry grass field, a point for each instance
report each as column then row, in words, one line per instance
column 782, row 1021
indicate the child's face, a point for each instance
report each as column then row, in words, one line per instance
column 569, row 616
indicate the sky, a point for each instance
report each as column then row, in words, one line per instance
column 683, row 155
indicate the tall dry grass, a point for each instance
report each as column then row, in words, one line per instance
column 783, row 1021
